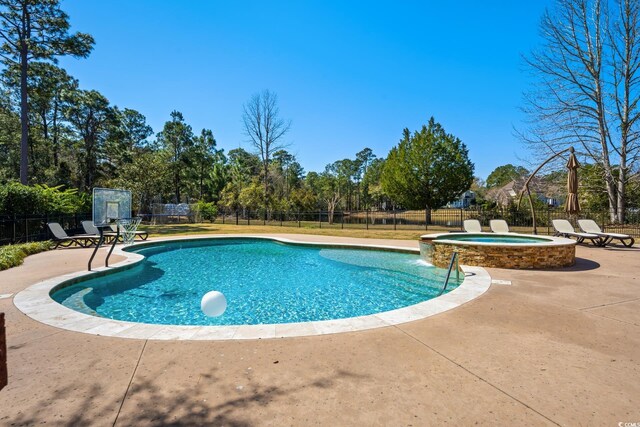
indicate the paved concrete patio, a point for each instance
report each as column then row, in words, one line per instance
column 554, row 347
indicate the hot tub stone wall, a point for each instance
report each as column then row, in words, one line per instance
column 518, row 257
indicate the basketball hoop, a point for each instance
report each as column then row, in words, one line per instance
column 128, row 228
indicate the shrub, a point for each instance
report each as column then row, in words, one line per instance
column 18, row 199
column 13, row 255
column 207, row 211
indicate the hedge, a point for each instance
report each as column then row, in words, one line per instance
column 13, row 255
column 18, row 199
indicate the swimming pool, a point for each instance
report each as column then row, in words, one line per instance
column 264, row 282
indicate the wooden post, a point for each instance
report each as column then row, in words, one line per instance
column 4, row 375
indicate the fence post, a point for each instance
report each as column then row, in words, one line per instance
column 461, row 218
column 394, row 218
column 320, row 218
column 237, row 216
column 366, row 218
column 4, row 375
column 342, row 220
column 26, row 228
column 280, row 218
column 298, row 218
column 248, row 216
column 426, row 217
column 14, row 229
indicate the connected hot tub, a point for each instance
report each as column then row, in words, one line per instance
column 512, row 250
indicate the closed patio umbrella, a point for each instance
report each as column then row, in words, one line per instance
column 572, row 206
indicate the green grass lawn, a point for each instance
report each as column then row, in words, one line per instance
column 402, row 232
column 333, row 230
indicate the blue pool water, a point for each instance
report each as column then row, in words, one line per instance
column 263, row 281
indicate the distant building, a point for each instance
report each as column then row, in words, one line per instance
column 549, row 193
column 465, row 200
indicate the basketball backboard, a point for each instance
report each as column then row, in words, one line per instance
column 110, row 205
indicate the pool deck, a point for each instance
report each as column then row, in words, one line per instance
column 553, row 347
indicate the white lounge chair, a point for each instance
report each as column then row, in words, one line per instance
column 590, row 226
column 472, row 226
column 564, row 228
column 499, row 226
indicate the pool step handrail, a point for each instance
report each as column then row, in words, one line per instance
column 454, row 261
column 100, row 241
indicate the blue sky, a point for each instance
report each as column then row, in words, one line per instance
column 348, row 74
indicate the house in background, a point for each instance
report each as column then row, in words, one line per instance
column 551, row 194
column 465, row 200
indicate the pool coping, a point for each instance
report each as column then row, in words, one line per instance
column 544, row 240
column 35, row 302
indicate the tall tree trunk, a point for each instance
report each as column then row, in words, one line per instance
column 24, row 114
column 624, row 41
column 608, row 175
column 266, row 186
column 427, row 215
column 32, row 154
column 622, row 177
column 331, row 207
column 176, row 181
column 54, row 130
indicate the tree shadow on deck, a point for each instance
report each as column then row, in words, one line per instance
column 150, row 402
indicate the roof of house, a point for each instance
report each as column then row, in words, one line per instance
column 511, row 190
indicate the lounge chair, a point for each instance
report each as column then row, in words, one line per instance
column 564, row 228
column 590, row 226
column 499, row 226
column 472, row 226
column 91, row 230
column 61, row 238
column 139, row 233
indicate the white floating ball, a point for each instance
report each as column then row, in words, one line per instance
column 213, row 304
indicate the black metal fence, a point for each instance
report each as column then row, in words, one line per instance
column 17, row 229
column 33, row 228
column 448, row 219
